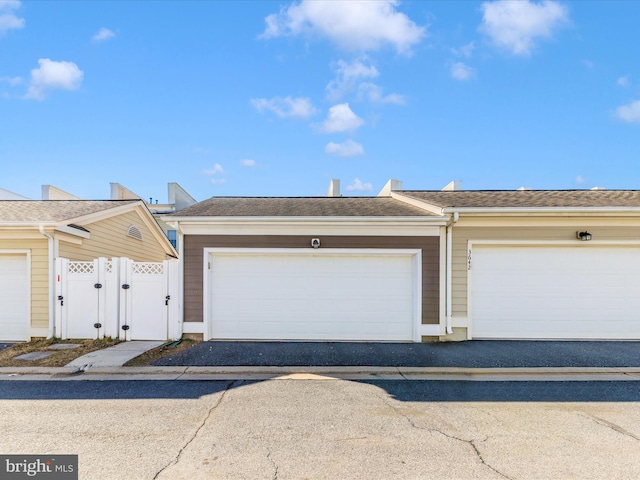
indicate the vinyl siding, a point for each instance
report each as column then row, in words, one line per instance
column 39, row 276
column 193, row 262
column 461, row 236
column 109, row 239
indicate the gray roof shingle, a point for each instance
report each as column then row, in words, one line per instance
column 302, row 207
column 527, row 198
column 53, row 211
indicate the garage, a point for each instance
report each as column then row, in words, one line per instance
column 555, row 292
column 14, row 297
column 303, row 294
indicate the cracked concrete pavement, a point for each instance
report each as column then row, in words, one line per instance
column 318, row 429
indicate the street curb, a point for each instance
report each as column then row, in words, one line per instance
column 405, row 372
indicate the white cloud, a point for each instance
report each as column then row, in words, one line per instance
column 286, row 107
column 52, row 75
column 629, row 113
column 353, row 25
column 516, row 25
column 359, row 186
column 216, row 169
column 460, row 71
column 624, row 81
column 214, row 172
column 347, row 77
column 12, row 81
column 464, row 51
column 8, row 19
column 341, row 119
column 247, row 162
column 348, row 148
column 373, row 93
column 348, row 80
column 102, row 35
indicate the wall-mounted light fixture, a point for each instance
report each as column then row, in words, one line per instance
column 584, row 236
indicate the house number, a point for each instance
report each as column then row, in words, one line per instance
column 469, row 260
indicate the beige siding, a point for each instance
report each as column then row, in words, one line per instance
column 109, row 239
column 559, row 230
column 39, row 276
column 193, row 262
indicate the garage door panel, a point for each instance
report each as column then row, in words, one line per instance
column 326, row 296
column 14, row 297
column 555, row 292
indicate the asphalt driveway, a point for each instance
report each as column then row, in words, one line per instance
column 471, row 354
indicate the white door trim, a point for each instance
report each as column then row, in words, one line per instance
column 27, row 253
column 528, row 243
column 417, row 274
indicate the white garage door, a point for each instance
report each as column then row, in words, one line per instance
column 555, row 292
column 14, row 297
column 307, row 296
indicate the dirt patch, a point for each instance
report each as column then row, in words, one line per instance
column 165, row 350
column 59, row 359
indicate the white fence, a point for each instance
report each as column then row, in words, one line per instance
column 117, row 298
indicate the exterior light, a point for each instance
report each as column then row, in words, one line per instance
column 584, row 236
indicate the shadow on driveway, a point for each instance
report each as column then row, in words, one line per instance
column 471, row 354
column 401, row 390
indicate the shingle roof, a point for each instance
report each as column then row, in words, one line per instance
column 302, row 207
column 528, row 198
column 53, row 211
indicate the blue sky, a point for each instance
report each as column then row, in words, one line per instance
column 276, row 98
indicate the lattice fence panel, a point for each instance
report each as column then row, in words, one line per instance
column 82, row 268
column 148, row 268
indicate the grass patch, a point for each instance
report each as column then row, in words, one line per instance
column 59, row 359
column 167, row 349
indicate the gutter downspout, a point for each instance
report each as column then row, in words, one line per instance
column 51, row 332
column 449, row 304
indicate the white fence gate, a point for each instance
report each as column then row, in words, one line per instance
column 117, row 298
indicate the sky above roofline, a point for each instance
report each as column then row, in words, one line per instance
column 277, row 98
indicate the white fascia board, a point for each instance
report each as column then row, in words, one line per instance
column 429, row 207
column 64, row 237
column 73, row 231
column 20, row 233
column 541, row 210
column 150, row 221
column 103, row 214
column 146, row 216
column 395, row 226
column 28, row 225
column 292, row 219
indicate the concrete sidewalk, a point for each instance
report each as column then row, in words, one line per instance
column 115, row 356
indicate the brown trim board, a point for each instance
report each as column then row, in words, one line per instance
column 194, row 246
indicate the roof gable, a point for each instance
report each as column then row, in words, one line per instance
column 54, row 211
